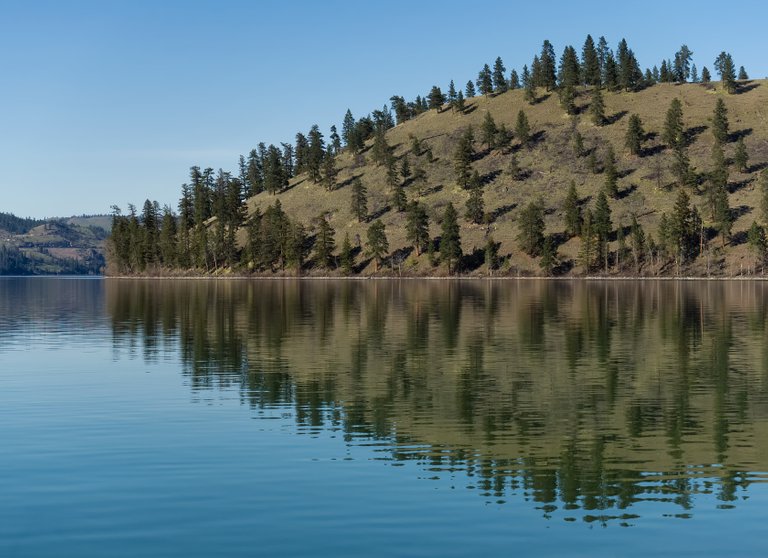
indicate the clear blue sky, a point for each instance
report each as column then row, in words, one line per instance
column 107, row 102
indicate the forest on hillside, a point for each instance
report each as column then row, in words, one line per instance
column 410, row 188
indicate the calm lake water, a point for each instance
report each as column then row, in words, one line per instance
column 362, row 418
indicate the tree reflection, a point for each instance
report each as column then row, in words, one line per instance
column 578, row 396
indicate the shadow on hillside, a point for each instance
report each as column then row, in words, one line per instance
column 757, row 167
column 433, row 190
column 738, row 238
column 379, row 212
column 470, row 109
column 626, row 191
column 348, row 181
column 740, row 134
column 563, row 267
column 740, row 211
column 734, row 187
column 501, row 211
column 615, row 117
column 692, row 133
column 746, row 87
column 653, row 150
column 489, row 177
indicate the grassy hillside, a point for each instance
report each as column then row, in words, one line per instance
column 56, row 246
column 646, row 183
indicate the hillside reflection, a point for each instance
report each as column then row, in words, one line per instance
column 587, row 398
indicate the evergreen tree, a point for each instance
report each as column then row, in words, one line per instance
column 348, row 127
column 633, row 140
column 329, row 171
column 335, row 140
column 757, row 243
column 674, row 135
column 419, row 179
column 577, row 141
column 254, row 174
column 720, row 122
column 724, row 66
column 315, row 153
column 499, row 80
column 706, row 77
column 485, row 81
column 588, row 242
column 296, row 246
column 694, row 74
column 377, row 244
column 530, row 236
column 324, row 243
column 399, row 200
column 567, row 96
column 602, row 218
column 452, row 97
column 381, row 151
column 611, row 173
column 548, row 256
column 514, row 80
column 275, row 179
column 346, row 258
column 590, row 64
column 167, row 240
column 462, row 159
column 469, row 91
column 417, row 226
column 488, row 131
column 450, row 240
column 740, row 156
column 436, row 98
column 461, row 106
column 682, row 67
column 548, row 62
column 764, row 195
column 522, row 128
column 723, row 214
column 359, row 200
column 475, row 205
column 405, row 169
column 572, row 211
column 514, row 170
column 597, row 108
column 568, row 76
column 491, row 254
column 611, row 79
column 637, row 243
column 718, row 177
column 742, row 74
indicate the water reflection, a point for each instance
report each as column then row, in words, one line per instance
column 590, row 399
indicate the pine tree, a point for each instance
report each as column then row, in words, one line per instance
column 469, row 91
column 475, row 205
column 514, row 80
column 330, row 172
column 682, row 67
column 720, row 122
column 450, row 240
column 611, row 173
column 405, row 169
column 635, row 134
column 706, row 77
column 764, row 196
column 417, row 226
column 572, row 211
column 452, row 97
column 742, row 74
column 381, row 151
column 377, row 243
column 548, row 62
column 324, row 243
column 602, row 218
column 590, row 64
column 567, row 96
column 568, row 76
column 499, row 80
column 485, row 81
column 637, row 242
column 436, row 98
column 673, row 134
column 757, row 243
column 578, row 143
column 723, row 215
column 548, row 256
column 597, row 108
column 315, row 153
column 296, row 246
column 522, row 129
column 346, row 255
column 724, row 66
column 488, row 131
column 740, row 156
column 588, row 242
column 530, row 236
column 694, row 74
column 348, row 129
column 462, row 159
column 461, row 106
column 491, row 254
column 359, row 200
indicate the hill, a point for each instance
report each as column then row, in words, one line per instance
column 686, row 199
column 646, row 185
column 51, row 246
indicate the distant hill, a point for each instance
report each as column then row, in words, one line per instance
column 52, row 246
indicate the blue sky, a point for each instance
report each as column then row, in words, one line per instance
column 111, row 102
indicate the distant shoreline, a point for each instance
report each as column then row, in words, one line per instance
column 643, row 278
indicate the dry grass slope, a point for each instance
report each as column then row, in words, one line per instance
column 550, row 164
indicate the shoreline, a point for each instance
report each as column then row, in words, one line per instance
column 595, row 278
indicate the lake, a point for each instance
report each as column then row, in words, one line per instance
column 382, row 418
